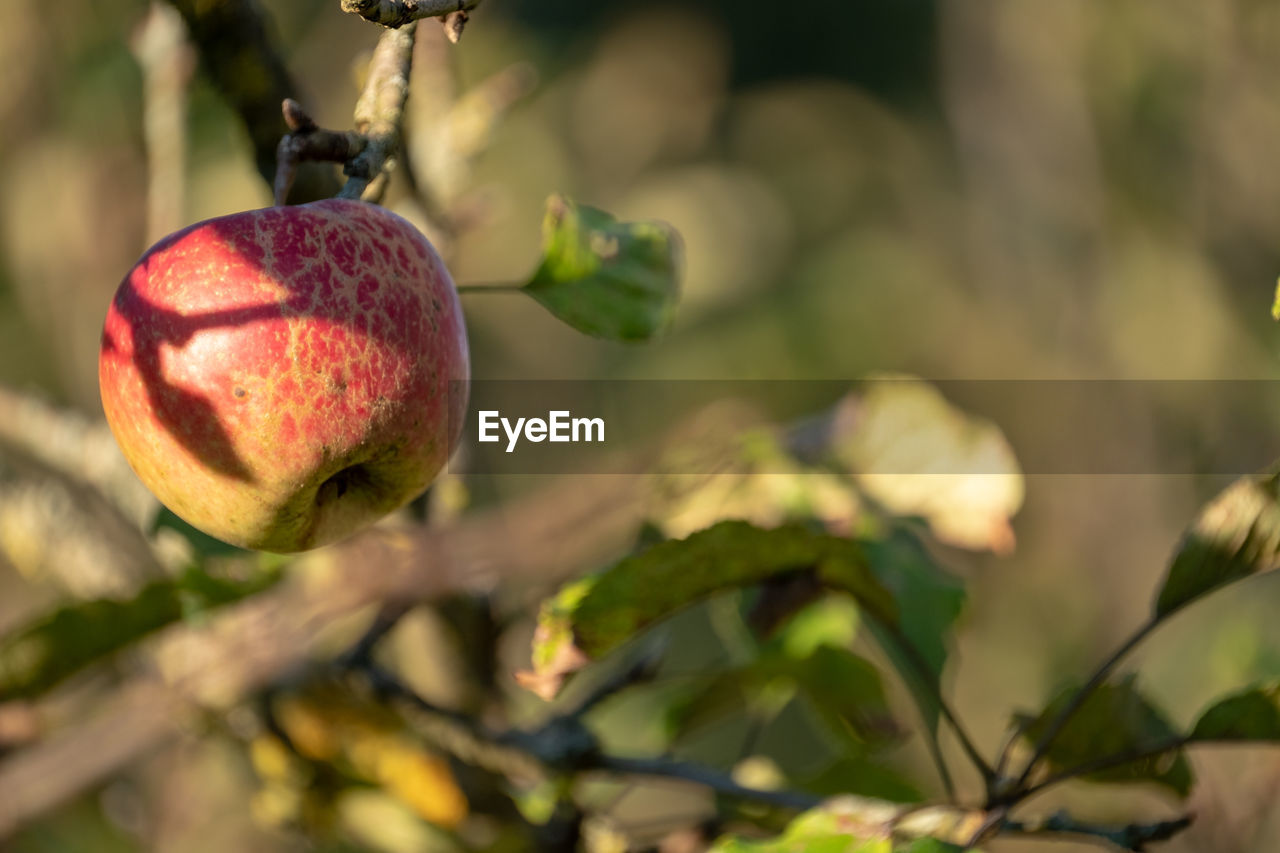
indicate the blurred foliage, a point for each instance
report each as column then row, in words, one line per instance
column 1116, row 719
column 947, row 188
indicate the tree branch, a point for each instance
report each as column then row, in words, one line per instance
column 398, row 13
column 380, row 112
column 1058, row 723
column 1134, row 837
column 246, row 647
column 368, row 152
column 1106, row 762
column 243, row 61
column 167, row 60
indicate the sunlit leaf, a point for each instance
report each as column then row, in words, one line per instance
column 1236, row 535
column 608, row 279
column 749, row 475
column 1253, row 714
column 842, row 825
column 1116, row 720
column 597, row 614
column 918, row 455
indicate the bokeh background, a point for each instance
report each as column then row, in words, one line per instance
column 947, row 188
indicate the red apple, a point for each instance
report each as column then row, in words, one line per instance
column 281, row 378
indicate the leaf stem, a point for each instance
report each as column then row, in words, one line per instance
column 1058, row 723
column 1107, row 762
column 1131, row 837
column 500, row 287
column 924, row 673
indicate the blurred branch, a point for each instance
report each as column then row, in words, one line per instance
column 72, row 445
column 308, row 142
column 380, row 112
column 368, row 152
column 1107, row 762
column 1078, row 700
column 167, row 61
column 251, row 645
column 1131, row 837
column 244, row 62
column 398, row 13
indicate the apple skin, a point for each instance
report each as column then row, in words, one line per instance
column 282, row 378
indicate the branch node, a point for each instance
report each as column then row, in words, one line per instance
column 296, row 118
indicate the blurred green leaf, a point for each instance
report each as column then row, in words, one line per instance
column 842, row 825
column 608, row 279
column 597, row 614
column 830, row 621
column 845, row 689
column 863, row 776
column 1253, row 714
column 929, row 602
column 848, row 688
column 36, row 657
column 1116, row 720
column 1236, row 535
column 202, row 543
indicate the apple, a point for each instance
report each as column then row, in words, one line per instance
column 282, row 378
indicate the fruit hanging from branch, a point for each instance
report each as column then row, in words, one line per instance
column 281, row 378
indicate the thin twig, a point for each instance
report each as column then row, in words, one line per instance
column 1106, row 762
column 721, row 783
column 924, row 673
column 308, row 142
column 167, row 62
column 505, row 287
column 1134, row 837
column 1064, row 717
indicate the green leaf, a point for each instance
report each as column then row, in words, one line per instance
column 830, row 621
column 1252, row 714
column 842, row 687
column 202, row 543
column 1116, row 720
column 846, row 689
column 1235, row 536
column 863, row 776
column 842, row 825
column 608, row 279
column 597, row 614
column 929, row 602
column 58, row 645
